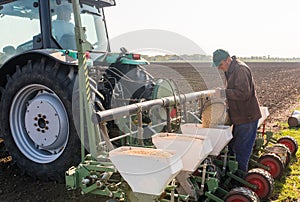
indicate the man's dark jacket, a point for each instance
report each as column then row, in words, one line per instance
column 240, row 93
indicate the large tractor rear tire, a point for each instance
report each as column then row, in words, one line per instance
column 36, row 119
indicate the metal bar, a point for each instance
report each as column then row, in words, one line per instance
column 169, row 127
column 106, row 136
column 132, row 133
column 184, row 111
column 80, row 73
column 140, row 128
column 45, row 24
column 100, row 168
column 118, row 112
column 213, row 197
column 84, row 84
column 244, row 182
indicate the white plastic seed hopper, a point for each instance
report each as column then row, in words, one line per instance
column 146, row 170
column 219, row 137
column 190, row 148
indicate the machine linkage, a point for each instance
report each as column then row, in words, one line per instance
column 213, row 177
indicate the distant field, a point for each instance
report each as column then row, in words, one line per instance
column 277, row 83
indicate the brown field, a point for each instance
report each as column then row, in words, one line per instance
column 277, row 85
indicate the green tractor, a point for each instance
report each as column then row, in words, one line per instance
column 38, row 71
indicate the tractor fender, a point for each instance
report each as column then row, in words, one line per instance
column 10, row 65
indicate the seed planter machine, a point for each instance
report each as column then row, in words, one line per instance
column 177, row 168
column 269, row 153
column 137, row 171
column 189, row 164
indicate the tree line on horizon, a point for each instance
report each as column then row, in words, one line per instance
column 208, row 58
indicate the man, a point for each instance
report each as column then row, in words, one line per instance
column 62, row 25
column 243, row 107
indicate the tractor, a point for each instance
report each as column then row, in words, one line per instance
column 38, row 78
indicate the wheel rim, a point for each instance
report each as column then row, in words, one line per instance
column 39, row 123
column 273, row 165
column 237, row 198
column 262, row 189
column 289, row 144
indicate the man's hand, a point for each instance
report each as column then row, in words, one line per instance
column 220, row 93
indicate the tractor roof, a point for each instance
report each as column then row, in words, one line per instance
column 99, row 3
column 96, row 3
column 24, row 8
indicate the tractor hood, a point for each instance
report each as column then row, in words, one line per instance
column 70, row 57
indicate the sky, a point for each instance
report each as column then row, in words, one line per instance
column 243, row 27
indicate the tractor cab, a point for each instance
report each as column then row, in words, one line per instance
column 31, row 25
column 63, row 24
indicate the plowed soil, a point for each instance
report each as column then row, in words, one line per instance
column 277, row 86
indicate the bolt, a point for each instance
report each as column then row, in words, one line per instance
column 38, row 130
column 39, row 115
column 98, row 183
column 85, row 181
column 35, row 118
column 35, row 125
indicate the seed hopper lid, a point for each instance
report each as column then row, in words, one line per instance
column 219, row 136
column 191, row 149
